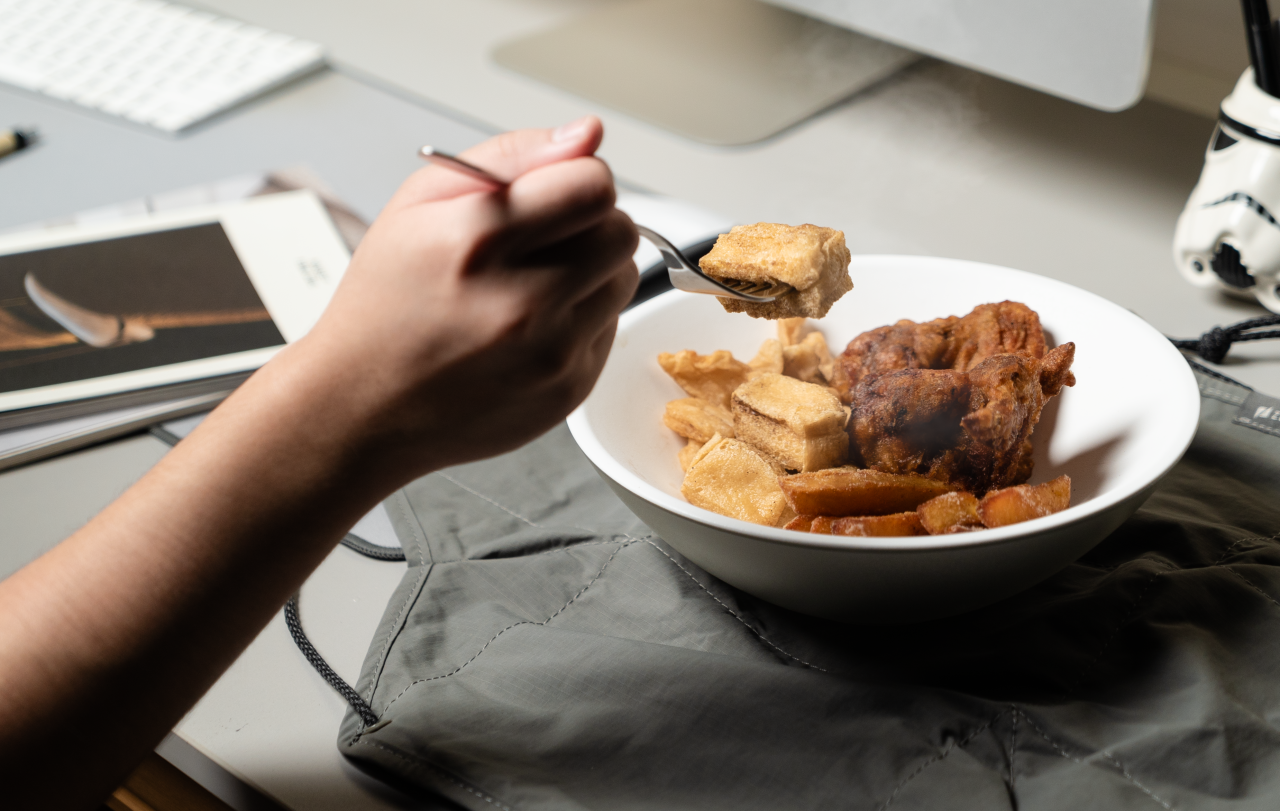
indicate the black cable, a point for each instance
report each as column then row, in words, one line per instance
column 370, row 550
column 317, row 661
column 1213, row 345
column 355, row 543
column 1205, row 370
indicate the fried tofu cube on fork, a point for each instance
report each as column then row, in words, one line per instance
column 811, row 261
column 731, row 478
column 801, row 425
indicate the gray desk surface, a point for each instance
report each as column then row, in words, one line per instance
column 936, row 161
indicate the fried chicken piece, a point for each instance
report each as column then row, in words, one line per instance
column 994, row 329
column 971, row 430
column 944, row 343
column 900, row 346
column 907, row 421
column 1008, row 394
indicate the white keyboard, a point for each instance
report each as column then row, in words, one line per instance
column 151, row 62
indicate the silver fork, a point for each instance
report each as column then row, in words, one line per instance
column 684, row 274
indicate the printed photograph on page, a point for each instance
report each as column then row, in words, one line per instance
column 82, row 311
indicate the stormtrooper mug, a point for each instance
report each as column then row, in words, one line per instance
column 1228, row 235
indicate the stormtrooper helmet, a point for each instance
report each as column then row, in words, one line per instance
column 1228, row 236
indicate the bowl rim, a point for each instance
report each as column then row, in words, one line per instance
column 610, row 468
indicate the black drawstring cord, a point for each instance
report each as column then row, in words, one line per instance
column 1205, row 370
column 355, row 543
column 362, row 708
column 327, row 673
column 1213, row 345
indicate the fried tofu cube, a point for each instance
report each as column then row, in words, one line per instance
column 731, row 478
column 708, row 377
column 792, row 331
column 813, row 261
column 896, row 525
column 769, row 360
column 853, row 491
column 799, row 424
column 950, row 513
column 688, row 453
column 1022, row 502
column 809, row 360
column 696, row 419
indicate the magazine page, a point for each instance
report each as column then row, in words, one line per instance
column 94, row 311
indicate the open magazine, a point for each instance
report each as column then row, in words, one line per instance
column 123, row 317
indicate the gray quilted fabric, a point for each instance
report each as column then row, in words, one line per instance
column 546, row 651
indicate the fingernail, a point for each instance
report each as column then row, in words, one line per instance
column 574, row 129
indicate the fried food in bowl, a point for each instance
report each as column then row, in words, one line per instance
column 1114, row 435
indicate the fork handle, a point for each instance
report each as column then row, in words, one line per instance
column 687, row 276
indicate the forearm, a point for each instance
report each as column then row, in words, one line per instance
column 116, row 632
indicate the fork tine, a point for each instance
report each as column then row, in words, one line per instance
column 687, row 276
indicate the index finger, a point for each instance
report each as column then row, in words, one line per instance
column 507, row 156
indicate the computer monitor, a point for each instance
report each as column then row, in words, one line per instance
column 739, row 71
column 1095, row 52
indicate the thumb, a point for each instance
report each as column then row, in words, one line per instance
column 507, row 156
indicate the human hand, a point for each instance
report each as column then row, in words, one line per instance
column 472, row 320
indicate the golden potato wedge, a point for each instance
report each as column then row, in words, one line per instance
column 853, row 491
column 801, row 523
column 799, row 424
column 950, row 512
column 729, row 477
column 869, row 526
column 1022, row 502
column 708, row 377
column 688, row 452
column 768, row 360
column 697, row 419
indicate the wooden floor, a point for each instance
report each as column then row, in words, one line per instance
column 157, row 785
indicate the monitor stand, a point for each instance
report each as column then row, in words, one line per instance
column 724, row 72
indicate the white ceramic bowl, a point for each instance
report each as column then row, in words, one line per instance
column 1127, row 421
